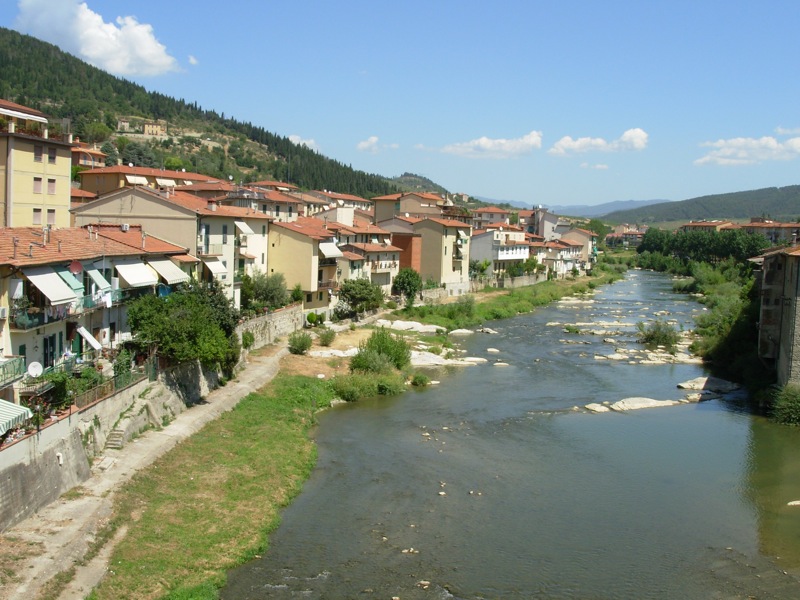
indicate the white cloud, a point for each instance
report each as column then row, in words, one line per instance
column 749, row 151
column 192, row 60
column 369, row 145
column 787, row 130
column 126, row 47
column 298, row 141
column 485, row 147
column 598, row 166
column 632, row 139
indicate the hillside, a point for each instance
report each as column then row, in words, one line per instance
column 780, row 204
column 42, row 76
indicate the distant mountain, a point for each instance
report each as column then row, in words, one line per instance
column 409, row 182
column 504, row 203
column 779, row 204
column 601, row 210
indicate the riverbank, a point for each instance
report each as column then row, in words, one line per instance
column 180, row 520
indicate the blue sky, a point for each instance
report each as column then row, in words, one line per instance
column 554, row 103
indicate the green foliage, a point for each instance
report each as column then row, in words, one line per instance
column 59, row 396
column 232, row 355
column 658, row 333
column 361, row 294
column 248, row 339
column 368, row 360
column 270, row 290
column 184, row 326
column 326, row 337
column 122, row 366
column 299, row 342
column 358, row 386
column 383, row 342
column 297, row 293
column 311, row 318
column 408, row 283
column 786, row 405
column 420, row 380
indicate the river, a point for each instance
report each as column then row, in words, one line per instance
column 490, row 485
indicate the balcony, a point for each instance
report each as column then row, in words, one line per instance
column 328, row 284
column 11, row 369
column 383, row 266
column 210, row 249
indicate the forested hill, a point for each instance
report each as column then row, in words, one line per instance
column 41, row 76
column 779, row 204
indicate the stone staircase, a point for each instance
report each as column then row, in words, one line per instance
column 115, row 439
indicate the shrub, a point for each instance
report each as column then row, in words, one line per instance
column 311, row 318
column 358, row 386
column 420, row 380
column 368, row 360
column 390, row 385
column 658, row 333
column 786, row 405
column 248, row 339
column 299, row 342
column 326, row 337
column 394, row 347
column 391, row 304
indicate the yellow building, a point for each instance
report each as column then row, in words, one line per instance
column 445, row 253
column 35, row 169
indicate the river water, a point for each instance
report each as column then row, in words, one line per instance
column 489, row 485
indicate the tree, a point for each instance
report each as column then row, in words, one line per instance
column 112, row 156
column 361, row 294
column 96, row 132
column 408, row 283
column 140, row 155
column 270, row 290
column 598, row 227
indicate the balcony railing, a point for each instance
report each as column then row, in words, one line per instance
column 210, row 249
column 31, row 318
column 383, row 265
column 11, row 369
column 327, row 285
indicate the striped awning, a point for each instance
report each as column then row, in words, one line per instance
column 12, row 415
column 171, row 273
column 136, row 273
column 50, row 284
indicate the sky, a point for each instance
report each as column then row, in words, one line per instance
column 566, row 102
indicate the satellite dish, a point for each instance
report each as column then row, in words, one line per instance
column 407, row 215
column 130, row 165
column 75, row 267
column 35, row 369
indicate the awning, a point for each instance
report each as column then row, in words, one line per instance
column 329, row 250
column 171, row 273
column 90, row 338
column 97, row 277
column 50, row 284
column 70, row 280
column 462, row 234
column 12, row 415
column 216, row 267
column 243, row 227
column 136, row 179
column 135, row 273
column 163, row 182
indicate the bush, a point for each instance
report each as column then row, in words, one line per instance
column 786, row 405
column 299, row 342
column 311, row 318
column 248, row 339
column 395, row 348
column 326, row 337
column 420, row 380
column 368, row 360
column 358, row 386
column 658, row 333
column 391, row 304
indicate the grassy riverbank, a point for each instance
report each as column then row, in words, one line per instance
column 209, row 504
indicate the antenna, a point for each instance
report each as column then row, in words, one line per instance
column 35, row 369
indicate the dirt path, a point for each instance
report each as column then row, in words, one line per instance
column 57, row 538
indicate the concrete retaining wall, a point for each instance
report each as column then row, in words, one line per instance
column 271, row 326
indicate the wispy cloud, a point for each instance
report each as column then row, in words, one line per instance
column 632, row 139
column 125, row 47
column 298, row 141
column 193, row 60
column 485, row 147
column 749, row 151
column 787, row 131
column 372, row 146
column 597, row 167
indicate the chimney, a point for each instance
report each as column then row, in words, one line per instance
column 212, row 206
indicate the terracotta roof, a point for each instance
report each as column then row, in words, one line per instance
column 375, row 247
column 424, row 195
column 351, row 255
column 338, row 196
column 503, row 226
column 200, row 205
column 148, row 171
column 133, row 239
column 525, row 213
column 23, row 109
column 185, row 258
column 448, row 222
column 491, row 209
column 79, row 193
column 63, row 246
column 308, row 226
column 268, row 183
column 207, row 186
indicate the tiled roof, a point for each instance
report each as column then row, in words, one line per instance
column 133, row 239
column 149, row 172
column 207, row 186
column 351, row 255
column 491, row 209
column 268, row 183
column 375, row 247
column 25, row 246
column 337, row 196
column 23, row 109
column 448, row 222
column 79, row 193
column 201, row 205
column 308, row 226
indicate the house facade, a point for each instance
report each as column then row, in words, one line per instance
column 445, row 253
column 501, row 246
column 411, row 204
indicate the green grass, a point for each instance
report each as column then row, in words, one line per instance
column 208, row 505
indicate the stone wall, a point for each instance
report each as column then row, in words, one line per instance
column 433, row 295
column 271, row 326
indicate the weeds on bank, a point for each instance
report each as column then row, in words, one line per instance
column 208, row 505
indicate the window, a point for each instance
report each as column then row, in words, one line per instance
column 37, row 185
column 320, row 296
column 263, row 230
column 51, row 186
column 224, row 234
column 308, row 297
column 51, row 156
column 290, row 211
column 277, row 211
column 264, row 208
column 37, row 154
column 397, row 207
column 51, row 216
column 37, row 216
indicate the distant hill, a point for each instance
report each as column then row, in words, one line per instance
column 779, row 204
column 409, row 182
column 601, row 210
